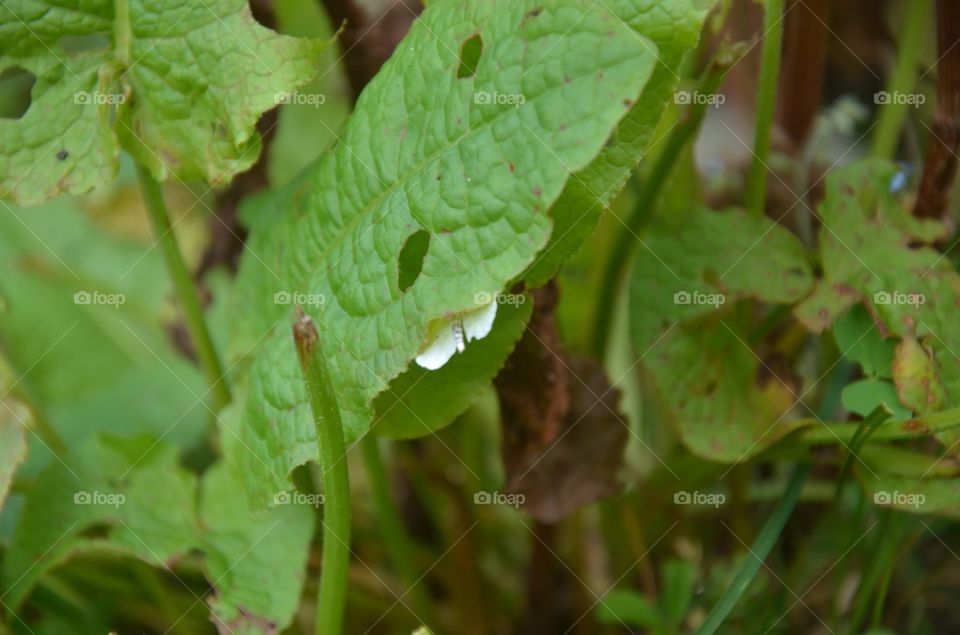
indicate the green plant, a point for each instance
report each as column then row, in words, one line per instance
column 605, row 372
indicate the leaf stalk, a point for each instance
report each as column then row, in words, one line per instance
column 332, row 595
column 186, row 291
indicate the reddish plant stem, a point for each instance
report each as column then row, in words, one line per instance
column 367, row 43
column 940, row 165
column 804, row 62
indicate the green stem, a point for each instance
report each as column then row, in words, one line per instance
column 766, row 104
column 390, row 524
column 123, row 33
column 926, row 425
column 758, row 554
column 625, row 244
column 881, row 560
column 183, row 282
column 865, row 429
column 892, row 114
column 880, row 599
column 331, row 598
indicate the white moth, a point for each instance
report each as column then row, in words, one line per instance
column 451, row 336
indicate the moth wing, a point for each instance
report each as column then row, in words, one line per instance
column 439, row 349
column 477, row 324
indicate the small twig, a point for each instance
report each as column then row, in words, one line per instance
column 331, row 598
column 940, row 165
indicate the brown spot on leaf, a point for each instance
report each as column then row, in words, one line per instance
column 915, row 426
column 62, row 155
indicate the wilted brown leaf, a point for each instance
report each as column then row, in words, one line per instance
column 562, row 438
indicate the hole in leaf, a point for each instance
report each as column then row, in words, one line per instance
column 95, row 531
column 470, row 54
column 15, row 86
column 81, row 43
column 411, row 258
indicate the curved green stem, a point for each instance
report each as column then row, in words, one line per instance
column 331, row 598
column 759, row 552
column 892, row 114
column 865, row 429
column 390, row 524
column 766, row 104
column 625, row 244
column 183, row 282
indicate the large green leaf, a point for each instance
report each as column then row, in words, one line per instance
column 430, row 148
column 674, row 27
column 727, row 404
column 81, row 324
column 132, row 496
column 178, row 84
column 257, row 562
column 69, row 497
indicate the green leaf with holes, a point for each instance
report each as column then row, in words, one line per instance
column 728, row 399
column 180, row 85
column 876, row 252
column 132, row 497
column 474, row 152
